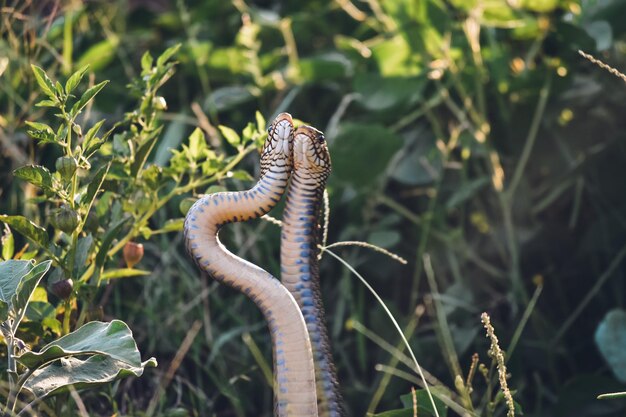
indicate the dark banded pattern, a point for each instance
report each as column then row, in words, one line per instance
column 294, row 375
column 298, row 253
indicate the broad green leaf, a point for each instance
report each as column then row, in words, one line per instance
column 230, row 135
column 27, row 228
column 167, row 54
column 18, row 280
column 610, row 338
column 123, row 273
column 39, row 310
column 113, row 339
column 381, row 93
column 361, row 153
column 99, row 55
column 87, row 97
column 81, row 374
column 325, row 67
column 75, row 79
column 36, row 175
column 8, row 243
column 44, row 82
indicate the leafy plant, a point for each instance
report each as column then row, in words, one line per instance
column 100, row 197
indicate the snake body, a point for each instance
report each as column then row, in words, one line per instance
column 294, row 375
column 299, row 264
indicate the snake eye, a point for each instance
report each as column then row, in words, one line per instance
column 321, row 138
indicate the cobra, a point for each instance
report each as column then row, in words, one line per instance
column 298, row 253
column 294, row 374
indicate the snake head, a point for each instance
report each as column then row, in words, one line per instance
column 278, row 147
column 310, row 151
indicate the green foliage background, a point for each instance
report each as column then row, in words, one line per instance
column 468, row 137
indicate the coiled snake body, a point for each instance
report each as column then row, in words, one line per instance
column 294, row 375
column 298, row 253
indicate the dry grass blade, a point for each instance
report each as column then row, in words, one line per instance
column 602, row 65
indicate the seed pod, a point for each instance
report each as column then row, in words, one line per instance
column 66, row 166
column 66, row 219
column 133, row 252
column 63, row 288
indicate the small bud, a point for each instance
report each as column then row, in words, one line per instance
column 159, row 103
column 66, row 219
column 92, row 223
column 63, row 288
column 77, row 129
column 66, row 166
column 133, row 252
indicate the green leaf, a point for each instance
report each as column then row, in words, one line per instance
column 230, row 135
column 87, row 97
column 25, row 289
column 44, row 82
column 378, row 93
column 353, row 149
column 75, row 79
column 83, row 248
column 18, row 280
column 95, row 184
column 197, row 144
column 90, row 142
column 94, row 371
column 141, row 156
column 325, row 67
column 46, row 103
column 8, row 243
column 167, row 54
column 99, row 55
column 40, row 126
column 27, row 228
column 146, row 61
column 113, row 354
column 123, row 273
column 610, row 337
column 106, row 242
column 466, row 192
column 261, row 124
column 36, row 175
column 174, row 225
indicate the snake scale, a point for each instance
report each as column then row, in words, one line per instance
column 298, row 255
column 294, row 373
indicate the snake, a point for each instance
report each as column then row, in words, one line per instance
column 294, row 372
column 299, row 264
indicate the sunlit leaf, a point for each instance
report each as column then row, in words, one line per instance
column 27, row 228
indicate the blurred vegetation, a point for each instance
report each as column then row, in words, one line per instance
column 469, row 137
